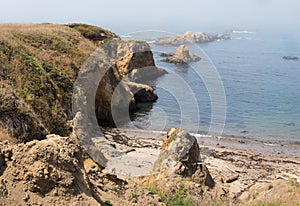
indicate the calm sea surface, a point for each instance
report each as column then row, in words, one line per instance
column 261, row 90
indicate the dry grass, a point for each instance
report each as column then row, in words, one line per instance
column 41, row 62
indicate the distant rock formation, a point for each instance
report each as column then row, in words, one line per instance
column 180, row 155
column 190, row 37
column 290, row 58
column 182, row 56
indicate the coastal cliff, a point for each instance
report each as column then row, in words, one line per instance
column 39, row 66
column 44, row 157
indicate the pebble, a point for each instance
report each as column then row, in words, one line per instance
column 26, row 198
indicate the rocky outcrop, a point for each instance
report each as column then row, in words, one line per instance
column 182, row 56
column 290, row 58
column 135, row 61
column 103, row 84
column 190, row 37
column 57, row 171
column 180, row 155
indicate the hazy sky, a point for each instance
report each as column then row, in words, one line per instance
column 170, row 15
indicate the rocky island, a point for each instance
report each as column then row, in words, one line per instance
column 50, row 156
column 182, row 56
column 190, row 37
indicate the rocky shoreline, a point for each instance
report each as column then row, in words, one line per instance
column 49, row 156
column 240, row 168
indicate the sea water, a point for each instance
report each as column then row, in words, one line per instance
column 262, row 90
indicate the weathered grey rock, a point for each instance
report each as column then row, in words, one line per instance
column 180, row 155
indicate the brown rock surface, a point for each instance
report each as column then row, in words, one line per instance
column 182, row 56
column 56, row 171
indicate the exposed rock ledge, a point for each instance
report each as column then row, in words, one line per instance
column 182, row 56
column 114, row 64
column 190, row 37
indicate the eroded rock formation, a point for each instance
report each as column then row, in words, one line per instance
column 182, row 56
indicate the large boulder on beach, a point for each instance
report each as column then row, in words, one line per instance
column 182, row 56
column 180, row 155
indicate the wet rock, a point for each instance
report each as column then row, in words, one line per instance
column 290, row 58
column 142, row 92
column 166, row 54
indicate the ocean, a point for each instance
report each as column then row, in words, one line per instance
column 241, row 88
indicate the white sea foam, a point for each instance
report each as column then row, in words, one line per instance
column 126, row 36
column 243, row 32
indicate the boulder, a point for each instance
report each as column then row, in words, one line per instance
column 182, row 56
column 180, row 155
